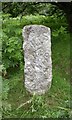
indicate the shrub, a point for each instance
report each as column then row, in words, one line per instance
column 12, row 35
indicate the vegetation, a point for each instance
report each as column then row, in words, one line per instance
column 17, row 102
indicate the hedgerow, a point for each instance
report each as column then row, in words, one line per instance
column 12, row 40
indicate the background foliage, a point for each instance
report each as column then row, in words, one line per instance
column 12, row 34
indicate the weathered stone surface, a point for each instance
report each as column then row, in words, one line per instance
column 37, row 56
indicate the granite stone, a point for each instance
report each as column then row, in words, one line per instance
column 37, row 57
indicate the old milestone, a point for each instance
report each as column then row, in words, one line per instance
column 37, row 57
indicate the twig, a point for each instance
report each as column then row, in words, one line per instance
column 29, row 101
column 64, row 108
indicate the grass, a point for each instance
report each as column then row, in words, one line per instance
column 56, row 102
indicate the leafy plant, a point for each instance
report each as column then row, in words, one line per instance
column 5, row 89
column 11, row 43
column 6, row 107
